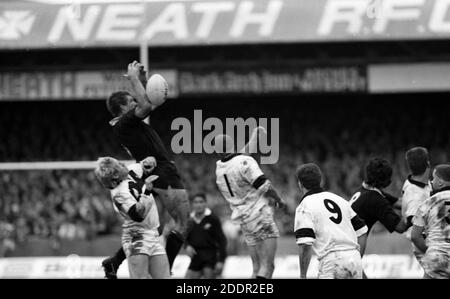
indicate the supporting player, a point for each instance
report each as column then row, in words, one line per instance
column 206, row 242
column 141, row 140
column 372, row 204
column 416, row 188
column 134, row 202
column 251, row 197
column 326, row 223
column 433, row 220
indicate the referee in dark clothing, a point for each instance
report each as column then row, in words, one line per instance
column 205, row 241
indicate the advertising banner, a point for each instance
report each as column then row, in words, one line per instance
column 126, row 23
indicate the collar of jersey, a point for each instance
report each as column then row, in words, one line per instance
column 229, row 157
column 198, row 220
column 440, row 190
column 311, row 192
column 417, row 183
column 365, row 186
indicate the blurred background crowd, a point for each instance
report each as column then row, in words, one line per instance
column 336, row 133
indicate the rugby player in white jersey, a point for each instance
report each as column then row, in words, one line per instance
column 132, row 199
column 326, row 224
column 416, row 188
column 433, row 220
column 252, row 199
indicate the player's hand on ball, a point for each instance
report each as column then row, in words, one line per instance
column 148, row 164
column 190, row 251
column 133, row 70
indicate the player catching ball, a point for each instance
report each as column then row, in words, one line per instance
column 134, row 202
column 140, row 139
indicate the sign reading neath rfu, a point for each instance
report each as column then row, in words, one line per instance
column 94, row 23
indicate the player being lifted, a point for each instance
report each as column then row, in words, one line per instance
column 140, row 139
column 433, row 219
column 326, row 223
column 133, row 200
column 416, row 188
column 251, row 197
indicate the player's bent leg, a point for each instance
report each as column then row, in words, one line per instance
column 267, row 249
column 138, row 266
column 176, row 202
column 255, row 260
column 158, row 266
column 111, row 264
column 191, row 274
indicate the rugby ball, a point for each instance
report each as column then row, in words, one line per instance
column 157, row 89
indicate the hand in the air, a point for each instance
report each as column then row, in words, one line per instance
column 134, row 70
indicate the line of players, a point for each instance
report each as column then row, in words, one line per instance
column 335, row 229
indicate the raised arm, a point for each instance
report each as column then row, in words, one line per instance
column 252, row 145
column 144, row 106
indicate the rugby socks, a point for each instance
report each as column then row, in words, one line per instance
column 174, row 243
column 120, row 256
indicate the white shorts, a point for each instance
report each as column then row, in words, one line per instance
column 346, row 264
column 260, row 228
column 436, row 264
column 147, row 242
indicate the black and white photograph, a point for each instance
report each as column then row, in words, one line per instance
column 244, row 141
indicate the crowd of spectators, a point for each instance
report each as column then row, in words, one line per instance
column 338, row 134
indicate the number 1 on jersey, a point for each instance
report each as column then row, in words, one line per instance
column 228, row 185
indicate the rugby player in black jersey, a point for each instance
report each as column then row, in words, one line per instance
column 141, row 140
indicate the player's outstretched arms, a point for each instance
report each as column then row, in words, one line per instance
column 144, row 106
column 252, row 146
column 139, row 210
column 418, row 239
column 304, row 256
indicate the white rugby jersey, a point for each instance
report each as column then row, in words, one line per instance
column 328, row 223
column 127, row 194
column 414, row 193
column 242, row 184
column 434, row 215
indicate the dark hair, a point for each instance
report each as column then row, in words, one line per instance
column 200, row 194
column 378, row 173
column 443, row 171
column 418, row 160
column 115, row 100
column 309, row 175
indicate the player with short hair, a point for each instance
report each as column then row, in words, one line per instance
column 416, row 188
column 433, row 220
column 133, row 200
column 372, row 204
column 141, row 140
column 205, row 242
column 326, row 223
column 251, row 197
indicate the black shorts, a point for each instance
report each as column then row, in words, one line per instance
column 204, row 258
column 168, row 176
